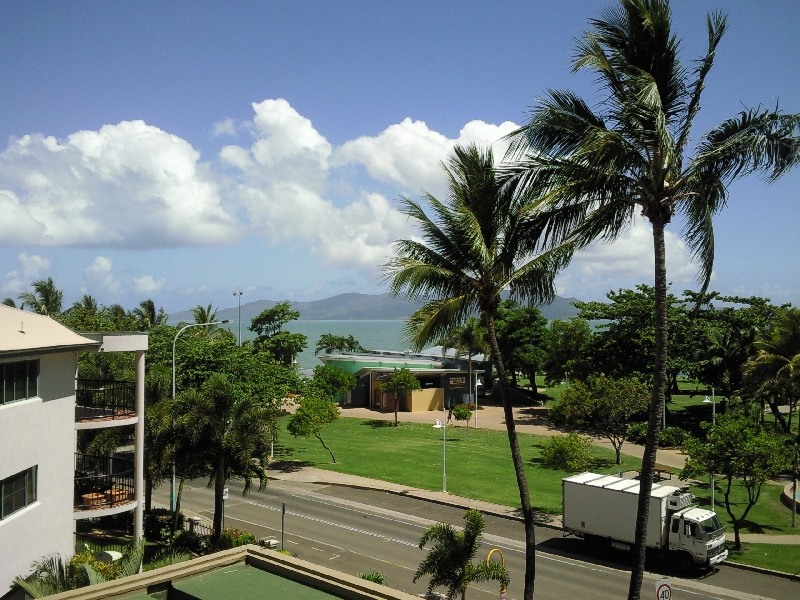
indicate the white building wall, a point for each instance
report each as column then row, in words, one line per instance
column 40, row 431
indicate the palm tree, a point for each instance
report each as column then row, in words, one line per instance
column 148, row 317
column 594, row 170
column 87, row 304
column 774, row 373
column 482, row 241
column 232, row 435
column 469, row 339
column 205, row 314
column 45, row 299
column 449, row 562
column 10, row 302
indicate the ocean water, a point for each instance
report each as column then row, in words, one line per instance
column 374, row 335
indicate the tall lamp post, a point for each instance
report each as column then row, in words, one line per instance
column 443, row 426
column 713, row 403
column 175, row 341
column 238, row 294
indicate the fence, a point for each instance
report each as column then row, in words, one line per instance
column 98, row 399
column 196, row 525
column 102, row 481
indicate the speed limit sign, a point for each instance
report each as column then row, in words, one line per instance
column 663, row 590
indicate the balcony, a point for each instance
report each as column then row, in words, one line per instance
column 98, row 400
column 103, row 483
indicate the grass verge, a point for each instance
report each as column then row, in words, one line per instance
column 784, row 558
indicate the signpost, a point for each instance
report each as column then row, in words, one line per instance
column 663, row 590
column 224, row 497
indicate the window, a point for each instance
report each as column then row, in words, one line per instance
column 20, row 380
column 17, row 491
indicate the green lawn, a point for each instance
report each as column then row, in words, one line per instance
column 478, row 463
column 783, row 558
column 767, row 516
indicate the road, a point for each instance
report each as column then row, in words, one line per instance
column 356, row 530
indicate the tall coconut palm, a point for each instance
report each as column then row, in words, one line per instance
column 148, row 317
column 205, row 314
column 87, row 304
column 449, row 561
column 481, row 241
column 46, row 298
column 232, row 435
column 594, row 170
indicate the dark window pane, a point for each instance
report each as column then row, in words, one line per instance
column 8, row 381
column 30, row 492
column 20, row 380
column 33, row 378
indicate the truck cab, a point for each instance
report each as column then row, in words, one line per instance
column 696, row 537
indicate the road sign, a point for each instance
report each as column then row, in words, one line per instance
column 663, row 590
column 225, row 493
column 458, row 382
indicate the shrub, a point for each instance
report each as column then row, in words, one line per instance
column 556, row 414
column 233, row 538
column 637, row 433
column 461, row 412
column 672, row 437
column 191, row 541
column 374, row 577
column 158, row 525
column 77, row 575
column 568, row 453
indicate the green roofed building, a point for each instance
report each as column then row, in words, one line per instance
column 244, row 573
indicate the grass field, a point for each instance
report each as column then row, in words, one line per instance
column 783, row 558
column 478, row 461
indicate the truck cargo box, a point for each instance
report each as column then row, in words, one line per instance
column 605, row 506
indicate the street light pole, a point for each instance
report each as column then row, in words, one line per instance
column 239, row 293
column 713, row 426
column 443, row 427
column 175, row 341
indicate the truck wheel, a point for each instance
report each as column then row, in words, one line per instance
column 685, row 562
column 596, row 546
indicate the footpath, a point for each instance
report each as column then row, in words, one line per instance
column 490, row 417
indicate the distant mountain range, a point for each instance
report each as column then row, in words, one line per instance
column 345, row 307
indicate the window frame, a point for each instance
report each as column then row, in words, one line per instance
column 30, row 490
column 9, row 378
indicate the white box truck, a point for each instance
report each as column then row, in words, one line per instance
column 602, row 510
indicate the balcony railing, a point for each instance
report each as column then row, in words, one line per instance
column 102, row 481
column 96, row 399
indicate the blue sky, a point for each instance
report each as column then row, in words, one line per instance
column 181, row 150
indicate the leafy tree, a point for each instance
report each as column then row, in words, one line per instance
column 331, row 343
column 568, row 344
column 449, row 561
column 312, row 416
column 87, row 303
column 148, row 317
column 206, row 314
column 233, row 432
column 600, row 169
column 481, row 241
column 400, row 383
column 268, row 327
column 774, row 373
column 332, row 381
column 736, row 449
column 46, row 298
column 572, row 452
column 522, row 338
column 608, row 404
column 461, row 412
column 10, row 302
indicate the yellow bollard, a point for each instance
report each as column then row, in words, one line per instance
column 502, row 562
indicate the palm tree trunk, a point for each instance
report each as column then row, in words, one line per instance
column 656, row 409
column 471, row 388
column 519, row 468
column 148, row 492
column 178, row 504
column 219, row 487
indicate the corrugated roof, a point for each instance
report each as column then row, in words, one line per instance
column 22, row 331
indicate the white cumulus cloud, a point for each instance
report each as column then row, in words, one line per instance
column 29, row 268
column 98, row 276
column 146, row 284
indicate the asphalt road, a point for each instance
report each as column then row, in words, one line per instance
column 355, row 530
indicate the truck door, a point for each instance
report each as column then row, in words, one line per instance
column 674, row 533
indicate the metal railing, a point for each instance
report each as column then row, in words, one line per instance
column 99, row 399
column 102, row 481
column 196, row 525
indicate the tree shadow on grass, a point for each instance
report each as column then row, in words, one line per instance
column 378, row 423
column 289, row 466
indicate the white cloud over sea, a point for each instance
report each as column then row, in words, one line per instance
column 134, row 186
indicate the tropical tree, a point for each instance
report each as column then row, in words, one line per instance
column 522, row 337
column 449, row 561
column 337, row 343
column 147, row 316
column 206, row 315
column 10, row 302
column 313, row 415
column 774, row 373
column 481, row 241
column 595, row 170
column 332, row 381
column 401, row 382
column 270, row 336
column 233, row 433
column 469, row 339
column 568, row 344
column 87, row 304
column 46, row 298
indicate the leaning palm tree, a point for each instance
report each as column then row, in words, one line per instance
column 148, row 317
column 45, row 299
column 481, row 241
column 449, row 561
column 595, row 170
column 205, row 314
column 230, row 435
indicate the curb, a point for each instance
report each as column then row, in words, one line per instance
column 762, row 570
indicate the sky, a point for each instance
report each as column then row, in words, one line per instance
column 181, row 151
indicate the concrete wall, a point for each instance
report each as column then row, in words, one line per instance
column 427, row 399
column 40, row 431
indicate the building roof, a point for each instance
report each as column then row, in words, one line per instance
column 451, row 353
column 23, row 332
column 419, row 372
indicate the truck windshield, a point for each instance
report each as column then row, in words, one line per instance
column 711, row 525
